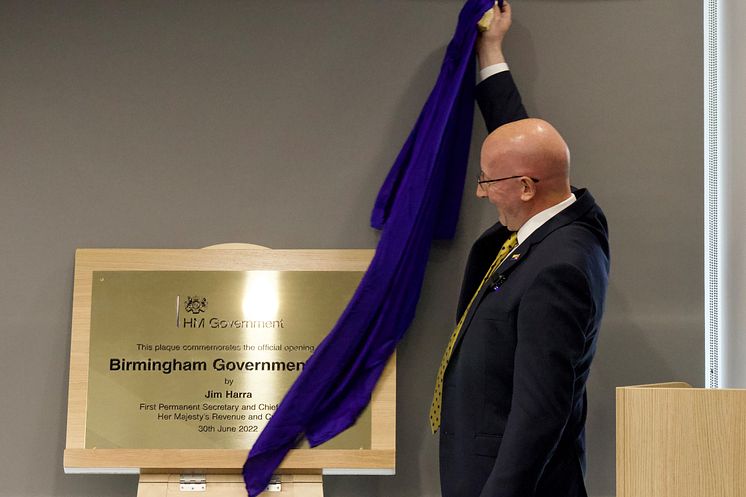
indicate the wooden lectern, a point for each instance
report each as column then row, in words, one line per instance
column 673, row 440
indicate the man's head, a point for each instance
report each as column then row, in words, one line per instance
column 535, row 153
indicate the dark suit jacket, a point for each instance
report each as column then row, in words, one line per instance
column 514, row 396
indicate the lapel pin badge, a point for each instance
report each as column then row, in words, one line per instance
column 515, row 256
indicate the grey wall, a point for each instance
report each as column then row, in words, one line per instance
column 184, row 124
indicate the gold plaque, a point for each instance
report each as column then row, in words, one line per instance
column 201, row 359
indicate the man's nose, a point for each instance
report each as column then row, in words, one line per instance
column 480, row 193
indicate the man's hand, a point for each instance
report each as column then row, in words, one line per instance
column 490, row 42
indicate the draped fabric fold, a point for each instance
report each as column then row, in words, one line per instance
column 418, row 201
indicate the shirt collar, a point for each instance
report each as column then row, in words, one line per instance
column 542, row 217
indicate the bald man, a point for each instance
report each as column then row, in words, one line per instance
column 514, row 386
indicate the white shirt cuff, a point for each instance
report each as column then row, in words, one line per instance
column 492, row 70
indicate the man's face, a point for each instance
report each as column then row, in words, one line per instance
column 505, row 195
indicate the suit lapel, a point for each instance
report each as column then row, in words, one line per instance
column 482, row 253
column 504, row 270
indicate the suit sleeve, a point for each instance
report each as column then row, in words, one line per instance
column 552, row 322
column 499, row 101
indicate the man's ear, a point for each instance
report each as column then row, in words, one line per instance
column 528, row 189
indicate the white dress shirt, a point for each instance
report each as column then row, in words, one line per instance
column 542, row 217
column 492, row 70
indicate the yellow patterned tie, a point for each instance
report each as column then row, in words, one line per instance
column 509, row 245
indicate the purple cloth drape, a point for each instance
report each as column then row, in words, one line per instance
column 419, row 201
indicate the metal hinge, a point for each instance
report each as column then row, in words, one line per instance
column 192, row 483
column 275, row 485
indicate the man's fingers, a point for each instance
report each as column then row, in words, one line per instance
column 506, row 10
column 496, row 21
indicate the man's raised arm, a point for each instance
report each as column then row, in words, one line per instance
column 497, row 95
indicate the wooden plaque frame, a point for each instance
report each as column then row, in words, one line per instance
column 379, row 459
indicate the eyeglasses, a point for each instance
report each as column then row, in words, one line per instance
column 481, row 182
